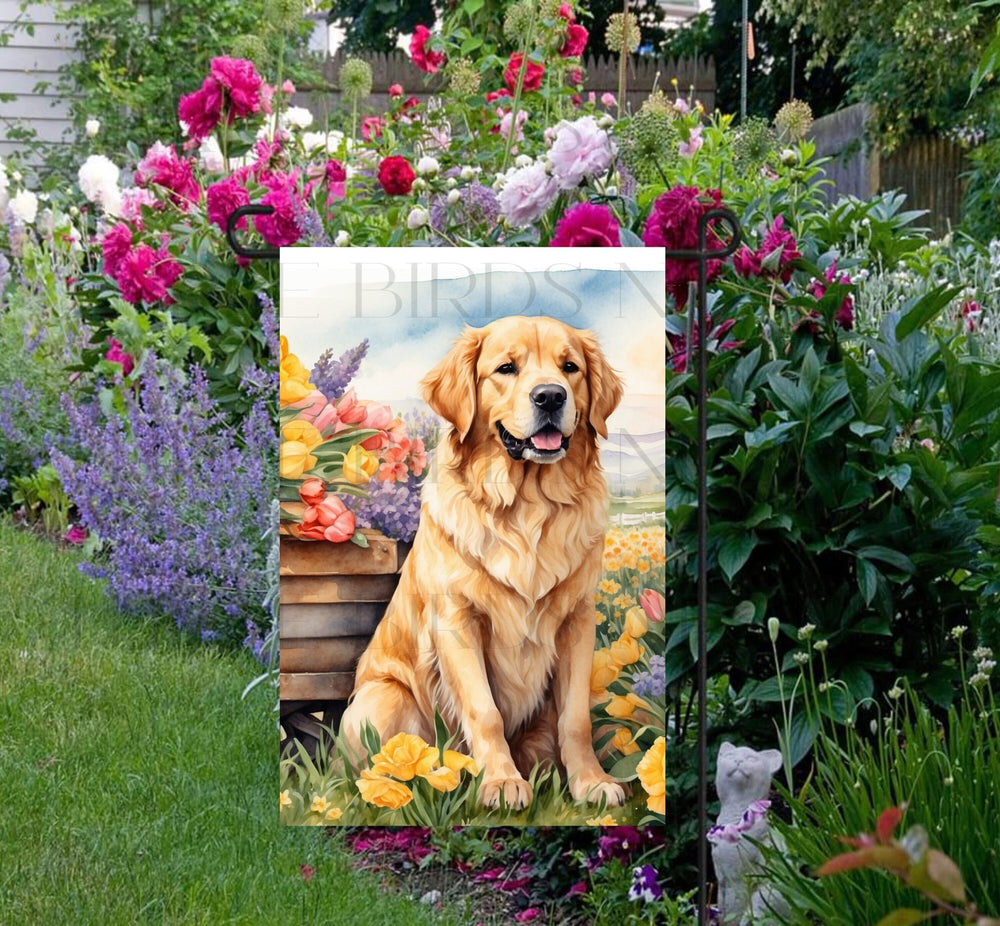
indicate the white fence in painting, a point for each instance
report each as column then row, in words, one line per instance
column 623, row 519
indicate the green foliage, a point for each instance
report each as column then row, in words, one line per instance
column 377, row 26
column 940, row 766
column 41, row 498
column 134, row 65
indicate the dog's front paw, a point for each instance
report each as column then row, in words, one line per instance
column 595, row 789
column 516, row 792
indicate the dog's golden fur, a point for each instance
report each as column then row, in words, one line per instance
column 493, row 623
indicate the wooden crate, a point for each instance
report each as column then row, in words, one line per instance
column 332, row 597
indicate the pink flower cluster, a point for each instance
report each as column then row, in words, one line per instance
column 233, row 88
column 844, row 315
column 587, row 226
column 163, row 168
column 421, row 55
column 143, row 273
column 673, row 224
column 774, row 257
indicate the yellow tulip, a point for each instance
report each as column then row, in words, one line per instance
column 360, row 465
column 442, row 779
column 383, row 792
column 652, row 771
column 620, row 708
column 291, row 390
column 624, row 742
column 624, row 651
column 636, row 623
column 635, row 700
column 284, row 346
column 457, row 762
column 292, row 368
column 295, row 459
column 303, row 432
column 604, row 670
column 404, row 757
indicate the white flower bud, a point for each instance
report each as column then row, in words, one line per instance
column 417, row 218
column 773, row 628
column 428, row 166
column 92, row 126
column 342, row 239
column 453, row 197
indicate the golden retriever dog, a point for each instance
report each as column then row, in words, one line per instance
column 493, row 623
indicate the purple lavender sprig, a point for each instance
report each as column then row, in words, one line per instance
column 181, row 500
column 392, row 507
column 333, row 376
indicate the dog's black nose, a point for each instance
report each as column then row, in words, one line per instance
column 549, row 397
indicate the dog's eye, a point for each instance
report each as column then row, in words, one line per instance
column 570, row 367
column 508, row 369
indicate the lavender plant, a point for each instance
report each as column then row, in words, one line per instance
column 333, row 376
column 180, row 500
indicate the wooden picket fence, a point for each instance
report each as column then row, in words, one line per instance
column 928, row 170
column 643, row 74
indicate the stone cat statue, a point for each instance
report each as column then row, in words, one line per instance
column 743, row 782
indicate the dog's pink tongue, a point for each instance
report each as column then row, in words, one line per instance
column 547, row 440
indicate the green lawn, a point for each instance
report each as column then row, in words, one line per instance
column 136, row 786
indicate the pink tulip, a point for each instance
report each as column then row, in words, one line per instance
column 329, row 520
column 312, row 491
column 654, row 604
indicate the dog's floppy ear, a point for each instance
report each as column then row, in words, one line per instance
column 450, row 388
column 606, row 388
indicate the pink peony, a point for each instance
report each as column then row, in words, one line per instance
column 133, row 199
column 608, row 99
column 673, row 224
column 581, row 150
column 161, row 167
column 494, row 95
column 396, row 175
column 371, row 127
column 746, row 262
column 336, row 179
column 201, row 111
column 244, row 87
column 281, row 228
column 533, row 73
column 395, row 90
column 693, row 144
column 972, row 312
column 76, row 534
column 587, row 226
column 777, row 251
column 116, row 354
column 527, row 192
column 223, row 199
column 576, row 41
column 844, row 316
column 422, row 57
column 115, row 245
column 145, row 275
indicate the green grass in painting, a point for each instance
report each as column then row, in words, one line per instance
column 137, row 786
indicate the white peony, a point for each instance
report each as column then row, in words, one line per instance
column 417, row 218
column 298, row 117
column 92, row 126
column 581, row 150
column 98, row 179
column 210, row 156
column 24, row 206
column 428, row 166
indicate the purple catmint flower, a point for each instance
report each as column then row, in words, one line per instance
column 333, row 376
column 180, row 498
column 311, row 228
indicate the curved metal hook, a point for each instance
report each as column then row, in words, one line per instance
column 727, row 217
column 234, row 217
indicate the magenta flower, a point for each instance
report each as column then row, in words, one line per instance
column 223, row 198
column 201, row 111
column 421, row 55
column 746, row 262
column 116, row 354
column 245, row 90
column 162, row 167
column 576, row 41
column 145, row 275
column 972, row 312
column 778, row 250
column 76, row 534
column 844, row 316
column 281, row 228
column 673, row 224
column 115, row 245
column 528, row 916
column 587, row 226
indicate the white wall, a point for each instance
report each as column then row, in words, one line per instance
column 28, row 60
